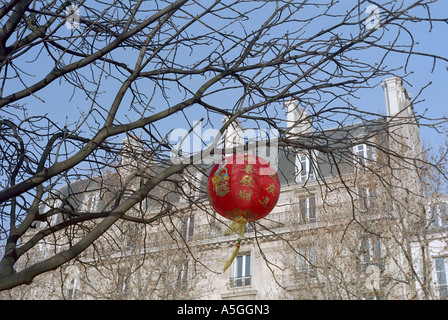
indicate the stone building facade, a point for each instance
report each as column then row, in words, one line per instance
column 354, row 225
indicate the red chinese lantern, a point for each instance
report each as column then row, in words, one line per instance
column 242, row 188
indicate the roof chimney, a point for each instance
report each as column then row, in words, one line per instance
column 133, row 153
column 233, row 136
column 297, row 121
column 398, row 102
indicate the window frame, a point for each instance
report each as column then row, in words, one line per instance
column 73, row 289
column 305, row 260
column 371, row 254
column 309, row 163
column 132, row 237
column 242, row 277
column 191, row 187
column 122, row 283
column 188, row 226
column 182, row 277
column 441, row 274
column 366, row 195
column 366, row 157
column 91, row 203
column 438, row 217
column 304, row 203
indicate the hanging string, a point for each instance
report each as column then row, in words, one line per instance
column 228, row 263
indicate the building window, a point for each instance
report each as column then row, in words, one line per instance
column 306, row 261
column 442, row 285
column 91, row 202
column 439, row 215
column 72, row 283
column 307, row 209
column 182, row 277
column 250, row 227
column 306, row 168
column 188, row 228
column 73, row 289
column 122, row 283
column 132, row 237
column 241, row 271
column 191, row 186
column 362, row 153
column 371, row 254
column 367, row 200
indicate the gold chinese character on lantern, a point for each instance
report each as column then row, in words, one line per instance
column 247, row 180
column 264, row 202
column 249, row 169
column 271, row 188
column 245, row 195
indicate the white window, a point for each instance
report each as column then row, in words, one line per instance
column 191, row 187
column 442, row 285
column 307, row 209
column 72, row 289
column 371, row 254
column 72, row 293
column 306, row 167
column 54, row 218
column 72, row 283
column 362, row 153
column 439, row 215
column 250, row 227
column 122, row 283
column 182, row 277
column 188, row 228
column 241, row 271
column 91, row 202
column 366, row 199
column 306, row 261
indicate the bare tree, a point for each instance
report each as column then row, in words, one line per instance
column 142, row 69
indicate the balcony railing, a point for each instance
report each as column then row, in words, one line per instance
column 240, row 281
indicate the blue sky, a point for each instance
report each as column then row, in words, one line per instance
column 433, row 100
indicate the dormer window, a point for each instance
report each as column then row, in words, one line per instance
column 306, row 168
column 91, row 202
column 362, row 153
column 191, row 187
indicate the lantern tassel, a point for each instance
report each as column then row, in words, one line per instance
column 238, row 226
column 228, row 263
